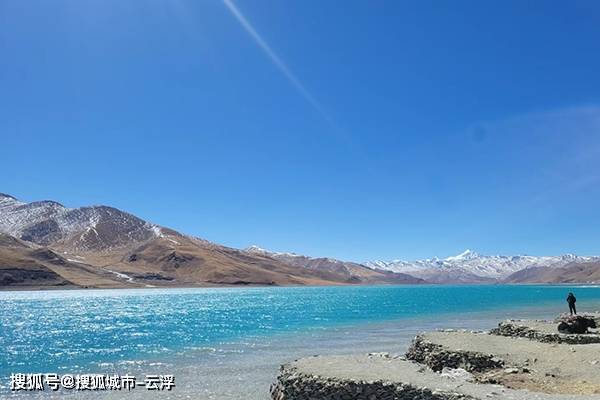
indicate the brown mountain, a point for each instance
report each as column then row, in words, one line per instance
column 27, row 265
column 571, row 273
column 350, row 270
column 47, row 244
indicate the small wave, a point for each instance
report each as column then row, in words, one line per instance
column 201, row 349
column 105, row 365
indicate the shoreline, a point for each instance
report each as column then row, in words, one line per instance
column 243, row 286
column 451, row 364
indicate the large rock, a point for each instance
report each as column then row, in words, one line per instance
column 576, row 325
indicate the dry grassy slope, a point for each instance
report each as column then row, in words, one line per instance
column 176, row 259
column 25, row 265
column 173, row 259
column 571, row 273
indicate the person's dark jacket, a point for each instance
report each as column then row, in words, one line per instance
column 571, row 299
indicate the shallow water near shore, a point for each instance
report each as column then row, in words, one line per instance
column 229, row 343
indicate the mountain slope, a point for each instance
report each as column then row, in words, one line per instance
column 135, row 252
column 470, row 267
column 119, row 249
column 98, row 228
column 174, row 258
column 27, row 265
column 585, row 272
column 19, row 268
column 353, row 272
column 46, row 244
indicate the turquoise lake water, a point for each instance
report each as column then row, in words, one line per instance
column 202, row 329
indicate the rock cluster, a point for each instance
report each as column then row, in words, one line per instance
column 577, row 324
column 293, row 385
column 517, row 329
column 437, row 358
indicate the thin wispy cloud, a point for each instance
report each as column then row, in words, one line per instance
column 558, row 150
column 276, row 60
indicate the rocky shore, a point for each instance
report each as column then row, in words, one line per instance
column 518, row 360
column 544, row 331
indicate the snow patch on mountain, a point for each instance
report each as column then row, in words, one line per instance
column 80, row 229
column 465, row 255
column 259, row 250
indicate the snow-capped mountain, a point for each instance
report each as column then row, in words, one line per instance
column 470, row 266
column 86, row 228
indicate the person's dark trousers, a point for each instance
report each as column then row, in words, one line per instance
column 572, row 309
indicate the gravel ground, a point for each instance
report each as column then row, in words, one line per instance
column 544, row 367
column 377, row 368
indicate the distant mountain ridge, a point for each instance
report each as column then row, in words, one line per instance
column 349, row 269
column 581, row 272
column 471, row 267
column 101, row 246
column 47, row 244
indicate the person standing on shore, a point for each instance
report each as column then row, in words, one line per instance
column 572, row 300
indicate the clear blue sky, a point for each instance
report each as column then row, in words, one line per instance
column 356, row 129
